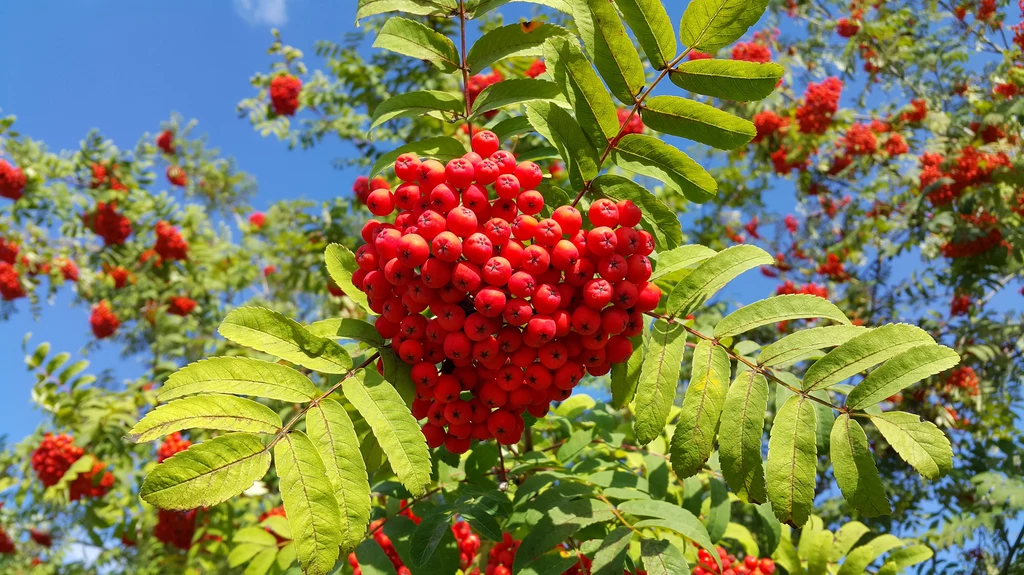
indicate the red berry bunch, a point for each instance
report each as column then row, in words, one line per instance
column 751, row 52
column 750, row 565
column 961, row 304
column 176, row 176
column 169, row 243
column 833, row 268
column 630, row 124
column 69, row 270
column 257, row 219
column 176, row 528
column 983, row 235
column 821, row 101
column 53, row 457
column 10, row 283
column 789, row 287
column 165, row 141
column 181, row 306
column 103, row 320
column 860, row 140
column 537, row 67
column 895, row 145
column 12, row 181
column 105, row 222
column 8, row 251
column 6, row 543
column 41, row 537
column 767, row 123
column 964, row 378
column 522, row 308
column 120, row 276
column 847, row 28
column 284, row 94
column 478, row 82
column 93, row 483
column 102, row 176
column 502, row 555
column 363, row 185
column 469, row 546
column 173, row 443
column 275, row 512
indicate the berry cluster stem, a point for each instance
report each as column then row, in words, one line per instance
column 464, row 67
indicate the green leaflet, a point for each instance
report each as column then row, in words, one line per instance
column 561, row 522
column 847, row 536
column 713, row 275
column 728, row 79
column 719, row 509
column 625, row 376
column 446, row 555
column 373, row 560
column 262, row 563
column 309, row 502
column 476, row 8
column 561, row 129
column 208, row 411
column 918, row 442
column 855, row 469
column 609, row 47
column 241, row 376
column 863, row 352
column 910, row 555
column 410, row 38
column 514, row 91
column 611, row 555
column 428, row 535
column 708, row 25
column 577, row 442
column 739, row 438
column 419, row 7
column 677, row 259
column 509, row 41
column 653, row 29
column 393, row 426
column 658, row 219
column 334, row 435
column 440, row 148
column 697, row 121
column 417, row 103
column 858, row 560
column 666, row 515
column 649, row 156
column 694, row 437
column 743, row 536
column 795, row 345
column 341, row 264
column 586, row 94
column 274, row 334
column 662, row 558
column 900, row 372
column 659, row 378
column 776, row 309
column 820, row 546
column 785, row 555
column 515, row 126
column 251, row 541
column 347, row 328
column 207, row 473
column 792, row 461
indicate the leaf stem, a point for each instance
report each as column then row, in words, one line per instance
column 464, row 67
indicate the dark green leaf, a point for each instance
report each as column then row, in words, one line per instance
column 739, row 438
column 736, row 80
column 694, row 437
column 561, row 129
column 855, row 468
column 649, row 156
column 653, row 29
column 696, row 121
column 900, row 372
column 586, row 94
column 792, row 461
column 659, row 378
column 609, row 47
column 713, row 275
column 708, row 25
column 508, row 41
column 410, row 38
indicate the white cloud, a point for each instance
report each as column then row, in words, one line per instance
column 265, row 12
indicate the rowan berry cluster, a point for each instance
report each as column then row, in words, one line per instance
column 284, row 94
column 41, row 537
column 165, row 141
column 860, row 140
column 964, row 378
column 362, row 186
column 10, row 282
column 788, row 287
column 537, row 67
column 767, row 123
column 502, row 556
column 257, row 220
column 173, row 443
column 94, row 483
column 169, row 243
column 468, row 544
column 751, row 52
column 181, row 306
column 833, row 268
column 821, row 101
column 630, row 124
column 103, row 176
column 847, row 28
column 7, row 546
column 176, row 528
column 53, row 457
column 522, row 309
column 103, row 320
column 12, row 181
column 961, row 304
column 750, row 565
column 105, row 222
column 982, row 235
column 176, row 176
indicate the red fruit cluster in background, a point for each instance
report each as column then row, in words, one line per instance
column 468, row 543
column 478, row 82
column 833, row 268
column 502, row 555
column 12, row 181
column 54, row 456
column 730, row 565
column 169, row 243
column 767, row 123
column 751, row 52
column 93, row 483
column 821, row 101
column 8, row 251
column 181, row 306
column 176, row 176
column 165, row 141
column 69, row 270
column 176, row 528
column 537, row 67
column 120, row 276
column 895, row 145
column 984, row 236
column 257, row 219
column 101, row 176
column 860, row 140
column 512, row 331
column 970, row 168
column 105, row 222
column 964, row 378
column 10, row 283
column 960, row 305
column 789, row 287
column 847, row 28
column 173, row 443
column 275, row 512
column 41, row 537
column 284, row 94
column 6, row 543
column 103, row 320
column 630, row 124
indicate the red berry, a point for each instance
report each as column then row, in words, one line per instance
column 485, row 143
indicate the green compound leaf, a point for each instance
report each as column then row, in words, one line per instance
column 417, row 103
column 662, row 558
column 625, row 376
column 657, row 218
column 713, row 275
column 207, row 473
column 855, row 469
column 309, row 502
column 239, row 376
column 918, row 442
column 775, row 309
column 510, row 41
column 708, row 25
column 561, row 129
column 792, row 461
column 900, row 372
column 410, row 38
column 678, row 259
column 694, row 437
column 796, row 345
column 651, row 157
column 863, row 352
column 274, row 334
column 735, row 80
column 393, row 426
column 740, row 436
column 696, row 121
column 659, row 378
column 220, row 412
column 609, row 47
column 586, row 94
column 347, row 328
column 611, row 555
column 653, row 29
